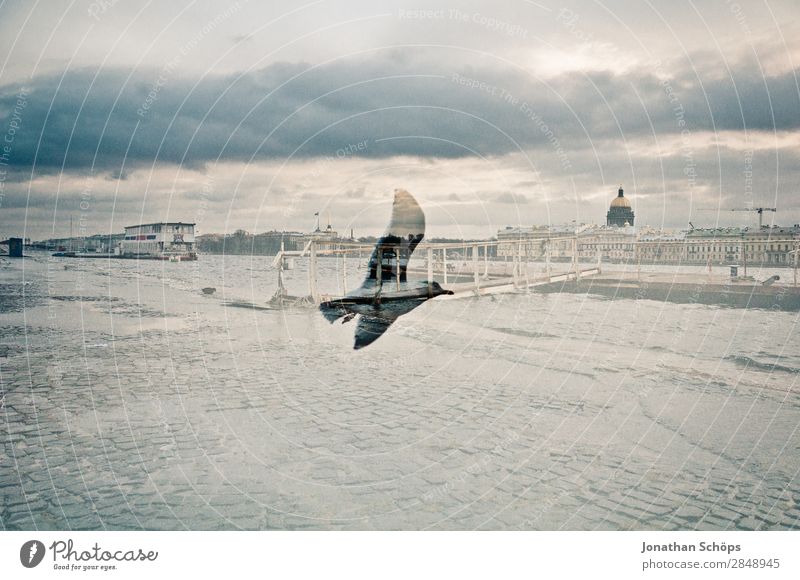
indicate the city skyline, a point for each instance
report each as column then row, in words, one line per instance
column 628, row 230
column 245, row 116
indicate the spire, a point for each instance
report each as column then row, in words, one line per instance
column 619, row 193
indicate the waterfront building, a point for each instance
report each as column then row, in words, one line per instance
column 327, row 239
column 270, row 242
column 564, row 239
column 661, row 248
column 767, row 245
column 612, row 243
column 529, row 241
column 534, row 242
column 160, row 241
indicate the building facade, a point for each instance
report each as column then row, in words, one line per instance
column 527, row 241
column 327, row 239
column 611, row 243
column 662, row 248
column 163, row 240
column 767, row 246
column 561, row 241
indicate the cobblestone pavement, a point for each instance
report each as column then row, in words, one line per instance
column 130, row 400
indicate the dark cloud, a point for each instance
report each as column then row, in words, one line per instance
column 118, row 175
column 394, row 103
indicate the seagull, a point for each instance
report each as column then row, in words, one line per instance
column 386, row 294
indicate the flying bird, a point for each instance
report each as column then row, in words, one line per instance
column 386, row 294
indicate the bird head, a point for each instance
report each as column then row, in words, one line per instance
column 438, row 290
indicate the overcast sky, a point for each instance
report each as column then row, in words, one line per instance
column 255, row 115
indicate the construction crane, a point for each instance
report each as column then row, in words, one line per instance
column 760, row 211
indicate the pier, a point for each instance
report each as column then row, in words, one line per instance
column 467, row 270
column 471, row 274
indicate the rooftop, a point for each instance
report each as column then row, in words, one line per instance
column 161, row 224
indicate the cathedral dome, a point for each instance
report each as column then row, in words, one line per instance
column 620, row 213
column 620, row 202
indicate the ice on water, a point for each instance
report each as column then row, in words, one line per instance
column 131, row 400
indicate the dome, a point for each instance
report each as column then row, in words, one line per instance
column 620, row 213
column 620, row 200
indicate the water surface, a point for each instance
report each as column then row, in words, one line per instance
column 132, row 400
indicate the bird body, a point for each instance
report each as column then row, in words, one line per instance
column 386, row 293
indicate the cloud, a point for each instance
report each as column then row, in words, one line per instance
column 118, row 175
column 355, row 193
column 512, row 198
column 481, row 141
column 115, row 121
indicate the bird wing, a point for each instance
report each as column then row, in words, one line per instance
column 389, row 261
column 393, row 250
column 333, row 310
column 370, row 329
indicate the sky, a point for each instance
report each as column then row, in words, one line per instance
column 255, row 116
